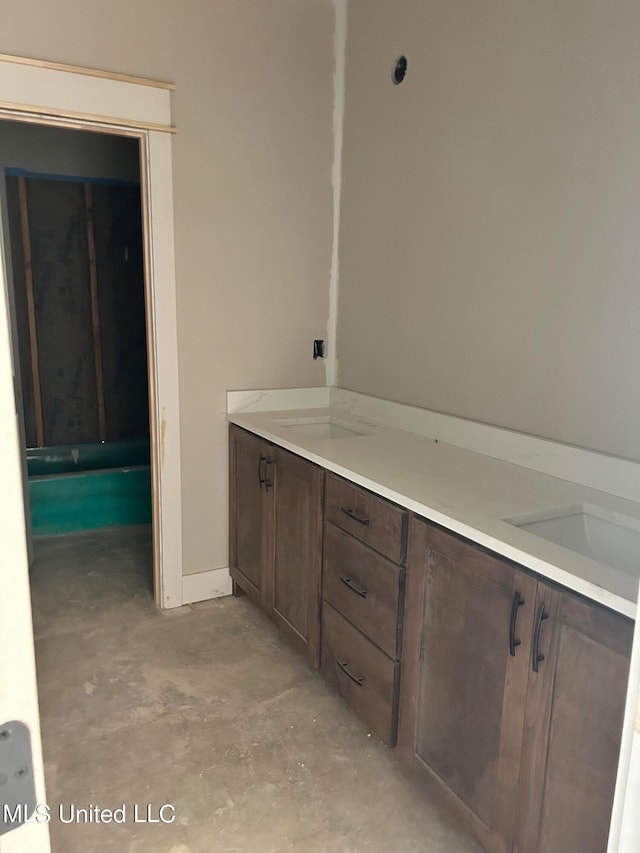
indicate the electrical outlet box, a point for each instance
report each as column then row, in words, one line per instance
column 318, row 349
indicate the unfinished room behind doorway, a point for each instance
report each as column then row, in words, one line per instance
column 75, row 226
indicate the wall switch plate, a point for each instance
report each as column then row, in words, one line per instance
column 318, row 349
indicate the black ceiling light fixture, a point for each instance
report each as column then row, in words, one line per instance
column 399, row 70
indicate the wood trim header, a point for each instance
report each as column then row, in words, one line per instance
column 87, row 72
column 20, row 111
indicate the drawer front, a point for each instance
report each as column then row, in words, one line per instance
column 362, row 674
column 380, row 524
column 363, row 586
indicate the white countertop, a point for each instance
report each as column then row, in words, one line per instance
column 465, row 491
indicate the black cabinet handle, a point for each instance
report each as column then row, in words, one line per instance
column 263, row 459
column 518, row 601
column 536, row 657
column 349, row 582
column 344, row 666
column 347, row 510
column 267, row 482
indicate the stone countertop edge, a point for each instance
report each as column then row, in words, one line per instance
column 464, row 491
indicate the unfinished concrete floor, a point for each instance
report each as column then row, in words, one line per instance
column 208, row 709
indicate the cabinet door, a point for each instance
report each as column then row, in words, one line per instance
column 466, row 650
column 251, row 512
column 575, row 708
column 295, row 593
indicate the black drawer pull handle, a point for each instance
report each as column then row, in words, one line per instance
column 347, row 510
column 344, row 666
column 263, row 459
column 267, row 482
column 536, row 657
column 518, row 601
column 349, row 582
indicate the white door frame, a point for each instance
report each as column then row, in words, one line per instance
column 86, row 99
column 18, row 691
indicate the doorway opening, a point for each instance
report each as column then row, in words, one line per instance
column 73, row 216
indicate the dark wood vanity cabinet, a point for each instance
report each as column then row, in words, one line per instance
column 363, row 595
column 462, row 712
column 250, row 513
column 512, row 697
column 276, row 506
column 293, row 597
column 506, row 693
column 573, row 723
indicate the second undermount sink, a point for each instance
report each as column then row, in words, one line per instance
column 320, row 428
column 604, row 536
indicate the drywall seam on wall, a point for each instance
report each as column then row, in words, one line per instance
column 340, row 48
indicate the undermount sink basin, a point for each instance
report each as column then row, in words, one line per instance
column 319, row 428
column 603, row 536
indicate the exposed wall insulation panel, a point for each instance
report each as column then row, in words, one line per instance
column 69, row 343
column 118, row 236
column 63, row 310
column 22, row 319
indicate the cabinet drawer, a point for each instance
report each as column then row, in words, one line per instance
column 363, row 586
column 362, row 674
column 380, row 524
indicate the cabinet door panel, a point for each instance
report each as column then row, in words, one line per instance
column 298, row 548
column 573, row 727
column 250, row 516
column 466, row 690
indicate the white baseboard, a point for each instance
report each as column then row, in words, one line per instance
column 212, row 584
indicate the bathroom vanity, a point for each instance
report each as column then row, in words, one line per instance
column 497, row 665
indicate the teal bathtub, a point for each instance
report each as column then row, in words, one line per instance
column 89, row 486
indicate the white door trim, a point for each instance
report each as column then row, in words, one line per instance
column 51, row 95
column 18, row 691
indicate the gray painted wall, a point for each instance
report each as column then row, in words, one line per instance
column 252, row 161
column 489, row 246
